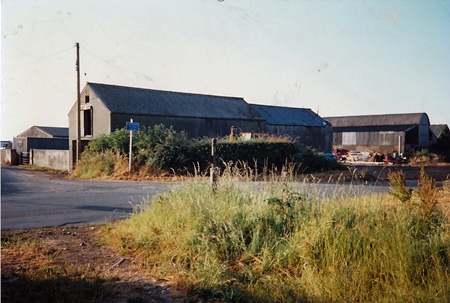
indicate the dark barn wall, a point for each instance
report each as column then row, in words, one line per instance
column 381, row 132
column 23, row 144
column 423, row 132
column 319, row 138
column 48, row 143
column 374, row 141
column 195, row 127
column 412, row 137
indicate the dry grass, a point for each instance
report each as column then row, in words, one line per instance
column 269, row 243
column 73, row 265
column 33, row 271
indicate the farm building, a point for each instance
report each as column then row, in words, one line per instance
column 105, row 108
column 6, row 144
column 42, row 137
column 381, row 133
column 439, row 131
column 298, row 123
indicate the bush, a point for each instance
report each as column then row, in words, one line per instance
column 424, row 156
column 118, row 141
column 310, row 161
column 163, row 149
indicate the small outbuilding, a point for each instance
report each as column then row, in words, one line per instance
column 42, row 137
column 381, row 133
column 6, row 145
column 301, row 124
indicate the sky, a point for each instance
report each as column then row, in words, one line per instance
column 338, row 58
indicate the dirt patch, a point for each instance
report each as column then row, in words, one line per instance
column 412, row 172
column 372, row 173
column 81, row 249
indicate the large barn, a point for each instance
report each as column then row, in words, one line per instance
column 105, row 108
column 381, row 133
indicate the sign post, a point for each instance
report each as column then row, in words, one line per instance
column 132, row 127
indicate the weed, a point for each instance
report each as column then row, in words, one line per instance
column 424, row 156
column 427, row 192
column 398, row 186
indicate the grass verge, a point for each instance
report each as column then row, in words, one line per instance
column 273, row 243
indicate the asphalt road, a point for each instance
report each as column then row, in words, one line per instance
column 34, row 199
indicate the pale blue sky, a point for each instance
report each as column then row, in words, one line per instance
column 336, row 57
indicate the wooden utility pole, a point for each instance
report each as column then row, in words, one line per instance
column 78, row 105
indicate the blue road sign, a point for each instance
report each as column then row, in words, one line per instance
column 133, row 126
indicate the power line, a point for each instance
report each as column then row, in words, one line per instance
column 49, row 56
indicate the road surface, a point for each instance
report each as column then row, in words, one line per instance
column 34, row 199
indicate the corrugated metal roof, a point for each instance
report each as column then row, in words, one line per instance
column 277, row 115
column 55, row 131
column 376, row 128
column 50, row 131
column 377, row 120
column 131, row 100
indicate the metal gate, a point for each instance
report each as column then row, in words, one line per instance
column 24, row 158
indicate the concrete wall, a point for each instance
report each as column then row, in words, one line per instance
column 9, row 156
column 55, row 159
column 319, row 138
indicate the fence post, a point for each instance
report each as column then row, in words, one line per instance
column 131, row 149
column 213, row 164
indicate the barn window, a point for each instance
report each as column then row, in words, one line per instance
column 87, row 122
column 86, row 99
column 349, row 138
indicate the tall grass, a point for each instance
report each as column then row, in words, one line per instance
column 273, row 243
column 101, row 165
